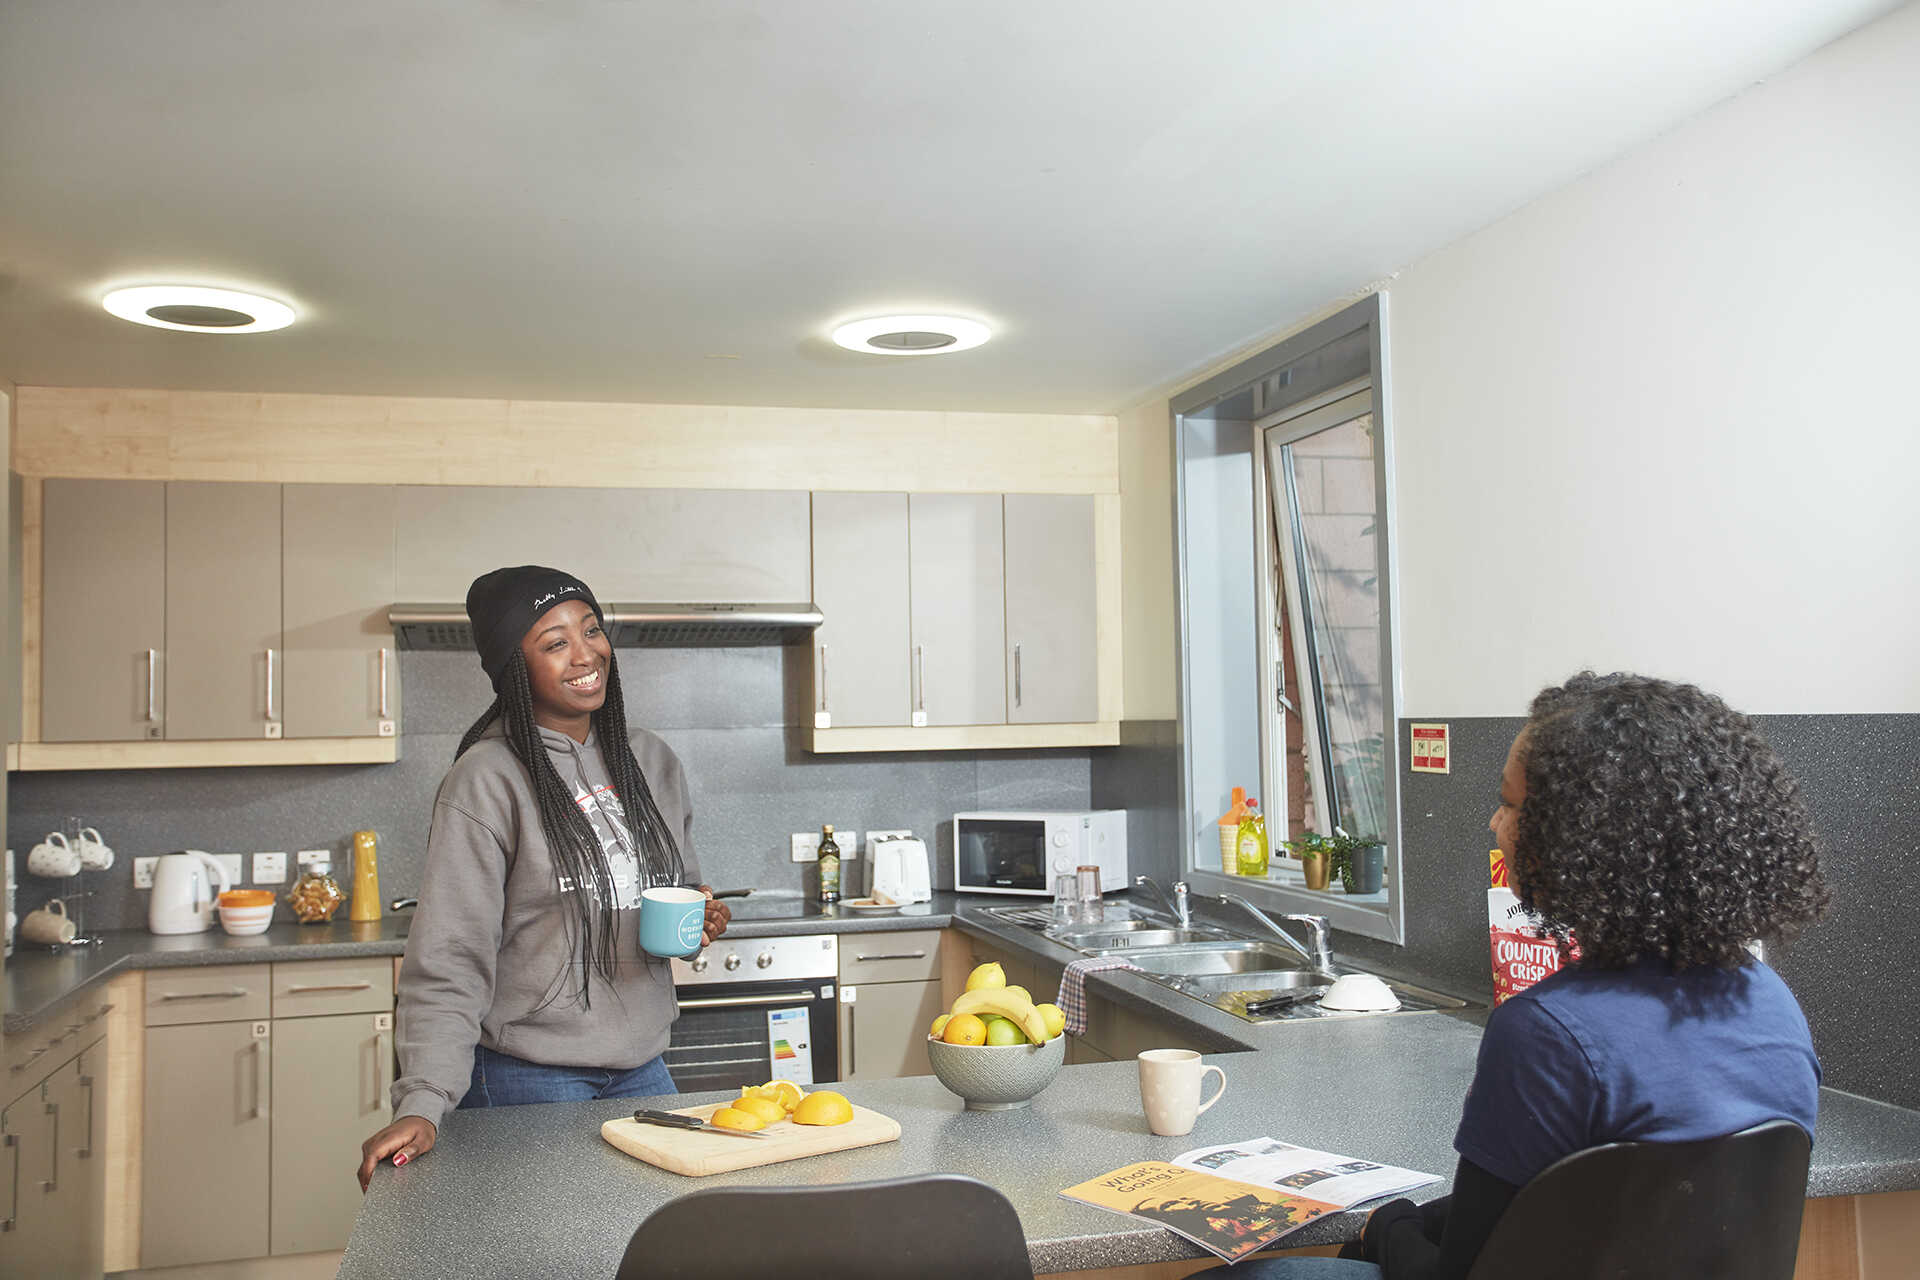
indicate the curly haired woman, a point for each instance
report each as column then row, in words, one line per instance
column 523, row 980
column 1655, row 825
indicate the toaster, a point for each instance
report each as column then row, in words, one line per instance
column 900, row 869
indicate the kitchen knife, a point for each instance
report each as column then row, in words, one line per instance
column 730, row 893
column 674, row 1120
column 1274, row 1004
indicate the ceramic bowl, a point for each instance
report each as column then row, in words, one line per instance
column 996, row 1077
column 247, row 898
column 241, row 921
column 1359, row 993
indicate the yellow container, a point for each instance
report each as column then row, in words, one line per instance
column 1251, row 850
column 366, row 878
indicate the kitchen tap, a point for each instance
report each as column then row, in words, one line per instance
column 1176, row 901
column 1319, row 950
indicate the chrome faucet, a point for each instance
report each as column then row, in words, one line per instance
column 1176, row 902
column 1319, row 949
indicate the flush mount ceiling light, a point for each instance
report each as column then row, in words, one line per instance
column 196, row 309
column 911, row 335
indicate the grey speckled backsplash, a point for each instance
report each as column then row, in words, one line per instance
column 727, row 712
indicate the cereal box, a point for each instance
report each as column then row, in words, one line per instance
column 1523, row 951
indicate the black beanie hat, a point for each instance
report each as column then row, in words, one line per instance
column 502, row 605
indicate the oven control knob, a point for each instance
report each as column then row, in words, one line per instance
column 764, row 960
column 1059, row 839
column 699, row 965
column 1063, row 863
column 733, row 962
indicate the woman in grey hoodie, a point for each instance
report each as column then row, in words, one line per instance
column 523, row 979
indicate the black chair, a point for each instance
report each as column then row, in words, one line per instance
column 1724, row 1207
column 938, row 1227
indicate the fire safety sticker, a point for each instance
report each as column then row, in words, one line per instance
column 1429, row 750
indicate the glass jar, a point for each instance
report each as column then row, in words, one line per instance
column 316, row 895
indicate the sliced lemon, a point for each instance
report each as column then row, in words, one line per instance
column 734, row 1118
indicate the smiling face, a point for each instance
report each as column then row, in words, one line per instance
column 568, row 656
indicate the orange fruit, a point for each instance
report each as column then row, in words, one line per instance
column 965, row 1029
column 823, row 1106
column 734, row 1118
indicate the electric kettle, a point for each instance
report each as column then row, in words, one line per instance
column 183, row 896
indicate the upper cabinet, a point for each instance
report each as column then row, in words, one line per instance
column 964, row 621
column 342, row 679
column 103, row 635
column 225, row 656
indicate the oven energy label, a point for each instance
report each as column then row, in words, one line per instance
column 790, row 1045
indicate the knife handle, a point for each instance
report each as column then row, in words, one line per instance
column 668, row 1118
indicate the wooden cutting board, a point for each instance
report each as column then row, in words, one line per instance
column 698, row 1154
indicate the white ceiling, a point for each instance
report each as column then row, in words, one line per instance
column 593, row 199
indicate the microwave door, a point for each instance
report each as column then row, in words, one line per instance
column 1003, row 855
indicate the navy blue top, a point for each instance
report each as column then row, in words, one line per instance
column 1642, row 1054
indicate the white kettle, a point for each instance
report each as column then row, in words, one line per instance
column 183, row 898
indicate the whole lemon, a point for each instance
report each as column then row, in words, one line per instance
column 965, row 1029
column 768, row 1110
column 823, row 1106
column 986, row 975
column 1056, row 1020
column 939, row 1025
column 735, row 1118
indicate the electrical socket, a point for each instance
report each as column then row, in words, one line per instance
column 236, row 874
column 806, row 846
column 143, row 872
column 302, row 858
column 269, row 868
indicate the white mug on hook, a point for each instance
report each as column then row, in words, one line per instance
column 54, row 858
column 95, row 854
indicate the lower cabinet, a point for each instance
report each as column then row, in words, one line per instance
column 889, row 996
column 255, row 1111
column 52, row 1175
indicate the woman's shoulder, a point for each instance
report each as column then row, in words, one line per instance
column 652, row 752
column 483, row 779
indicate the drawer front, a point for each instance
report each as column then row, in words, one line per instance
column 216, row 993
column 64, row 1032
column 912, row 955
column 309, row 988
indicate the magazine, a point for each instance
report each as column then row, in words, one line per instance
column 1237, row 1198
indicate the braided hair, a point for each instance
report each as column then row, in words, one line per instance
column 577, row 855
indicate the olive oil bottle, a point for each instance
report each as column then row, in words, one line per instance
column 829, row 865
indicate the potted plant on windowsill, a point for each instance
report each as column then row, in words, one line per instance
column 1315, row 853
column 1359, row 861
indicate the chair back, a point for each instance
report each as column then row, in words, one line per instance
column 935, row 1227
column 1720, row 1207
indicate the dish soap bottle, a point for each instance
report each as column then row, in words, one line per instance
column 1230, row 832
column 1251, row 849
column 829, row 865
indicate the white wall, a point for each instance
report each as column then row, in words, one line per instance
column 1665, row 419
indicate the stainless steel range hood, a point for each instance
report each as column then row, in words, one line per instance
column 632, row 626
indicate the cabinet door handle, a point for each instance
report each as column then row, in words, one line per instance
column 53, row 1154
column 26, row 1062
column 853, row 1045
column 1016, row 675
column 229, row 994
column 259, row 1068
column 13, row 1209
column 301, row 988
column 100, row 1013
column 270, row 684
column 383, row 682
column 728, row 1002
column 896, row 955
column 920, row 677
column 153, row 659
column 823, row 677
column 86, row 1149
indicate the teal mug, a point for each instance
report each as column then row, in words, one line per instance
column 671, row 921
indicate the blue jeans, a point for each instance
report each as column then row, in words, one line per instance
column 500, row 1080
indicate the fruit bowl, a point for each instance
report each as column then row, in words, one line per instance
column 996, row 1077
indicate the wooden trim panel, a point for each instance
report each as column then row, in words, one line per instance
column 329, row 439
column 972, row 737
column 42, row 757
column 126, row 1120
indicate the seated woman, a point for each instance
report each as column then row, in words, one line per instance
column 1653, row 826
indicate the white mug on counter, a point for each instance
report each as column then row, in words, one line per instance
column 95, row 853
column 1170, row 1089
column 49, row 925
column 54, row 858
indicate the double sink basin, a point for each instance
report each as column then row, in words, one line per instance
column 1218, row 967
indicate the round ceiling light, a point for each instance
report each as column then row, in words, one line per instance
column 911, row 335
column 196, row 309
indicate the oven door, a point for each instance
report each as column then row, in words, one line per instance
column 734, row 1034
column 1000, row 855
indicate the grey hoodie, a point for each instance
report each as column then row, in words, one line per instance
column 492, row 937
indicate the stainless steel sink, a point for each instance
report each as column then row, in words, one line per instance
column 1138, row 935
column 1264, row 982
column 1218, row 957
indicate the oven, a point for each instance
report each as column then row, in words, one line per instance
column 754, row 1010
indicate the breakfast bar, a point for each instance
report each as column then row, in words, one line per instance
column 520, row 1191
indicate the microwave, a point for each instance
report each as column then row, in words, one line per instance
column 1021, row 852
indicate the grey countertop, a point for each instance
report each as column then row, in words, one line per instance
column 519, row 1191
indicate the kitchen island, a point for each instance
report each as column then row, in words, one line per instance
column 521, row 1191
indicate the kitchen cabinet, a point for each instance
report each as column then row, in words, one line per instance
column 1052, row 662
column 104, row 609
column 862, row 652
column 889, row 995
column 957, row 580
column 224, row 645
column 341, row 677
column 629, row 545
column 261, row 1083
column 52, row 1175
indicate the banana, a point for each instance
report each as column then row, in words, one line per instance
column 1012, row 1006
